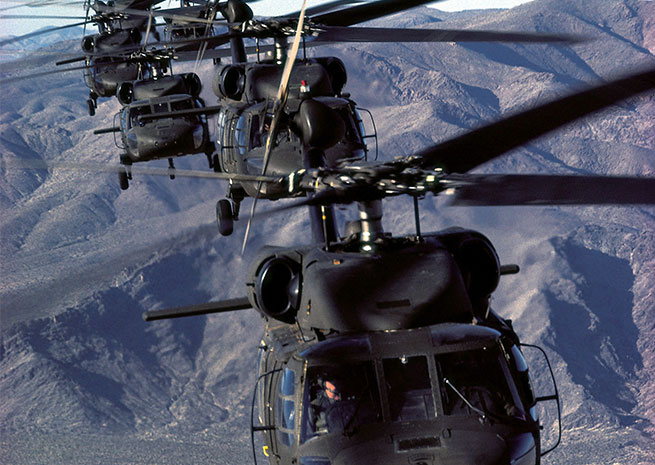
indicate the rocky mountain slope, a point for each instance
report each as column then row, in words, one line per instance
column 84, row 380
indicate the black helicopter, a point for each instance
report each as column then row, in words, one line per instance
column 275, row 118
column 117, row 53
column 159, row 138
column 382, row 349
column 106, row 64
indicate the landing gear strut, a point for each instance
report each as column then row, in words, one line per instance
column 171, row 169
column 92, row 103
column 124, row 176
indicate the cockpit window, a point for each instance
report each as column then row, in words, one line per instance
column 352, row 133
column 476, row 378
column 181, row 105
column 339, row 398
column 286, row 408
column 135, row 112
column 409, row 388
column 160, row 107
column 240, row 134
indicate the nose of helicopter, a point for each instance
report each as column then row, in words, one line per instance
column 166, row 139
column 448, row 447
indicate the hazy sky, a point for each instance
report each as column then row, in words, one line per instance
column 264, row 7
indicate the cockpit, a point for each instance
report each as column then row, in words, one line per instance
column 406, row 386
column 132, row 112
column 239, row 134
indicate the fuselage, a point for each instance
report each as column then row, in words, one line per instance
column 163, row 137
column 390, row 402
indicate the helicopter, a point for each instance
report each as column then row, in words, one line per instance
column 161, row 93
column 116, row 54
column 383, row 349
column 306, row 120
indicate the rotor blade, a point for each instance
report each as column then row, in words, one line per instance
column 465, row 152
column 367, row 12
column 40, row 17
column 173, row 13
column 56, row 71
column 21, row 164
column 321, row 198
column 40, row 32
column 38, row 4
column 201, row 309
column 279, row 104
column 324, row 8
column 519, row 189
column 380, row 34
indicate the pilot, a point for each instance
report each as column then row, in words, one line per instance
column 332, row 410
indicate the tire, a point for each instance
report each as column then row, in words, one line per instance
column 224, row 217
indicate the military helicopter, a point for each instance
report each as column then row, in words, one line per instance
column 145, row 140
column 383, row 349
column 116, row 53
column 279, row 114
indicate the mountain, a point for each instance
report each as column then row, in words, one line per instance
column 84, row 380
column 43, row 40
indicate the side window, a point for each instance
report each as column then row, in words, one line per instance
column 220, row 126
column 286, row 408
column 523, row 383
column 409, row 388
column 339, row 398
column 125, row 119
column 241, row 135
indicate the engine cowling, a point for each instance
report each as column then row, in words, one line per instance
column 125, row 92
column 336, row 71
column 277, row 287
column 230, row 82
column 193, row 84
column 478, row 262
column 319, row 125
column 89, row 44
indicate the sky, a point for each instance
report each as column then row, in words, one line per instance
column 16, row 26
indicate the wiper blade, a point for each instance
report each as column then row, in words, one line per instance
column 482, row 413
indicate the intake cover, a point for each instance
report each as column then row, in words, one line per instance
column 230, row 82
column 277, row 289
column 319, row 125
column 125, row 92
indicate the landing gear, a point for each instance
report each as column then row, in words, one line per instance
column 92, row 103
column 212, row 157
column 171, row 169
column 216, row 164
column 224, row 217
column 227, row 210
column 124, row 176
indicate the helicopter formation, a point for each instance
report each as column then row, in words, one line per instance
column 376, row 349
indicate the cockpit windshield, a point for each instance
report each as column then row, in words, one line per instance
column 475, row 381
column 136, row 111
column 339, row 398
column 409, row 388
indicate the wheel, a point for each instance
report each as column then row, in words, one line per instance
column 91, row 106
column 123, row 180
column 224, row 217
